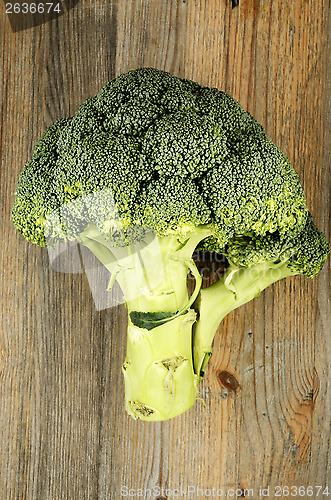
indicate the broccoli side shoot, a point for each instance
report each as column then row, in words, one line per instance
column 255, row 263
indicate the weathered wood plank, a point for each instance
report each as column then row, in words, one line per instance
column 64, row 434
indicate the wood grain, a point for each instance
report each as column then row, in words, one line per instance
column 64, row 433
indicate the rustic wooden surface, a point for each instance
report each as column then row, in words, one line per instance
column 64, row 433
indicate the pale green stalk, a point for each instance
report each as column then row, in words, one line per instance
column 160, row 382
column 238, row 286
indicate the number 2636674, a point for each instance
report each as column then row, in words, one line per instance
column 32, row 8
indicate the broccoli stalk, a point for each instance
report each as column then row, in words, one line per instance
column 238, row 286
column 160, row 381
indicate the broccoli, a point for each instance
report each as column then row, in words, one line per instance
column 147, row 171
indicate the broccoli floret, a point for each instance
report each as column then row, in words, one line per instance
column 35, row 197
column 304, row 253
column 145, row 172
column 171, row 205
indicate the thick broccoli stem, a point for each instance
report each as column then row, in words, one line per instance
column 160, row 382
column 238, row 286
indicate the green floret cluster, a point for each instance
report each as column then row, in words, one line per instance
column 131, row 140
column 171, row 205
column 153, row 154
column 302, row 252
column 35, row 197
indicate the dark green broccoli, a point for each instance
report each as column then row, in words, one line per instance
column 147, row 171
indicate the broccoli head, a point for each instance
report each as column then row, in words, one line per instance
column 145, row 172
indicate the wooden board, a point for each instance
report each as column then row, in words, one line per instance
column 64, row 433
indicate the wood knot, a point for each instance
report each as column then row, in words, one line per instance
column 228, row 380
column 242, row 490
